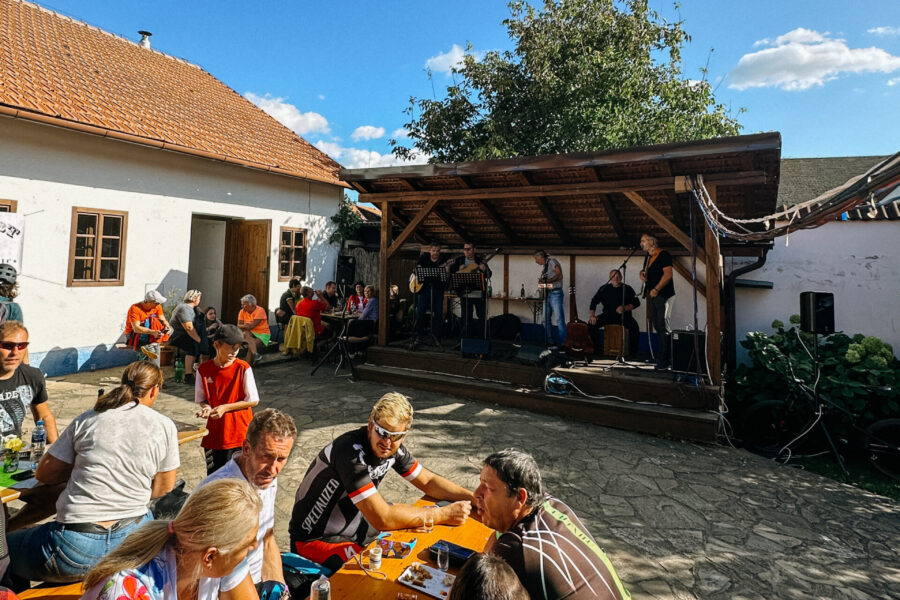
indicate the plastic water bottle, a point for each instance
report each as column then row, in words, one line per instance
column 321, row 589
column 179, row 370
column 38, row 442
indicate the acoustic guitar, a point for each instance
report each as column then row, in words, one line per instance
column 578, row 336
column 415, row 286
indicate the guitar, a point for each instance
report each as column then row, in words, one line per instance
column 578, row 336
column 415, row 286
column 474, row 266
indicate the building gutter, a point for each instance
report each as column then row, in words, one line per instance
column 730, row 333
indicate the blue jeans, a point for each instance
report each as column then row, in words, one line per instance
column 50, row 552
column 553, row 305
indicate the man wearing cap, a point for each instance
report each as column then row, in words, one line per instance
column 9, row 289
column 226, row 392
column 146, row 326
column 338, row 508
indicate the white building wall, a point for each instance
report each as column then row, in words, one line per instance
column 859, row 262
column 48, row 171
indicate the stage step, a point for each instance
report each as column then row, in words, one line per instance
column 645, row 418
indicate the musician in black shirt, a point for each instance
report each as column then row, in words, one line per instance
column 616, row 310
column 660, row 290
column 471, row 262
column 431, row 296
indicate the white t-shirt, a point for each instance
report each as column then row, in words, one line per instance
column 266, row 521
column 115, row 456
column 158, row 577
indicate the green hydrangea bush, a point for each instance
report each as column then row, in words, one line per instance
column 849, row 368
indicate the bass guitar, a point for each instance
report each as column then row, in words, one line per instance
column 578, row 336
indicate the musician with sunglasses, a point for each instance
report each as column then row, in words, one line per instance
column 338, row 509
column 21, row 386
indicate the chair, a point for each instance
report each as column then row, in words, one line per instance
column 299, row 336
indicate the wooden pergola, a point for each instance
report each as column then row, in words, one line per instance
column 582, row 204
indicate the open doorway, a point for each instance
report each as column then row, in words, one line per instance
column 229, row 258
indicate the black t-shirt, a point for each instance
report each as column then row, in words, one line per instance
column 25, row 388
column 344, row 472
column 610, row 297
column 555, row 557
column 655, row 272
column 283, row 305
column 332, row 300
column 428, row 282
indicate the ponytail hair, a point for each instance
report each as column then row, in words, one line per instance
column 138, row 378
column 218, row 515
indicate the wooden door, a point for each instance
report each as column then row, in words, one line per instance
column 246, row 270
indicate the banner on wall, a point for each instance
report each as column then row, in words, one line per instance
column 12, row 238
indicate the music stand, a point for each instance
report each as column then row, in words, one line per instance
column 463, row 284
column 428, row 276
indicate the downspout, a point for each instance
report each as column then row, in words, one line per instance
column 730, row 310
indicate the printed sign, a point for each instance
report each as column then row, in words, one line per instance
column 12, row 238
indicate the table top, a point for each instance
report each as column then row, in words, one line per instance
column 72, row 591
column 8, row 494
column 194, row 433
column 351, row 582
column 339, row 316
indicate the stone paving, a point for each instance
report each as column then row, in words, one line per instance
column 679, row 520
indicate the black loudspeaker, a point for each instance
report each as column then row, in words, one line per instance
column 684, row 359
column 817, row 312
column 346, row 270
column 475, row 347
column 532, row 354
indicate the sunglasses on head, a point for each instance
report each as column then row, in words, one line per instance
column 395, row 548
column 13, row 345
column 394, row 436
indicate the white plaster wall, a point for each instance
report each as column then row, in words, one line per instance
column 206, row 271
column 858, row 262
column 50, row 170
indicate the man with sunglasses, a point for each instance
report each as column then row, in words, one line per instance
column 21, row 386
column 338, row 509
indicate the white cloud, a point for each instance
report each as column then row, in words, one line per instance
column 358, row 158
column 288, row 115
column 367, row 132
column 400, row 134
column 894, row 81
column 321, row 96
column 803, row 58
column 885, row 30
column 442, row 63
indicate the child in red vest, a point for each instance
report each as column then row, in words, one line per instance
column 226, row 392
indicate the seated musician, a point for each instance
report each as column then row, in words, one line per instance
column 470, row 262
column 431, row 296
column 312, row 309
column 614, row 311
column 338, row 508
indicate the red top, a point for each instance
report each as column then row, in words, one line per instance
column 312, row 309
column 225, row 386
column 356, row 303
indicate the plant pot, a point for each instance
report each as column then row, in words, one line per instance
column 166, row 356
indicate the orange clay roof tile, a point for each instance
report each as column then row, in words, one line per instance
column 55, row 66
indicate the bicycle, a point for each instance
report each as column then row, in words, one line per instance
column 775, row 428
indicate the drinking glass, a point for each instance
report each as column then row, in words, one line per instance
column 443, row 556
column 428, row 519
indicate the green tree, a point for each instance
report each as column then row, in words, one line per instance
column 346, row 221
column 585, row 75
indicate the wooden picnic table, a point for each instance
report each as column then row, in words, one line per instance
column 351, row 582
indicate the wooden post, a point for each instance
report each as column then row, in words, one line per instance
column 506, row 284
column 713, row 303
column 383, row 279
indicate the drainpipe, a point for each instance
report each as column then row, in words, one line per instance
column 730, row 318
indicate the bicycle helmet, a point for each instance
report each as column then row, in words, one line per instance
column 7, row 274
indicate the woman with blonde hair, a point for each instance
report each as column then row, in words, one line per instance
column 186, row 557
column 112, row 459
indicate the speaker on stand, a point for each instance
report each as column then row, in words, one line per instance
column 345, row 274
column 817, row 312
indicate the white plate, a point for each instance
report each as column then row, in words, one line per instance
column 434, row 587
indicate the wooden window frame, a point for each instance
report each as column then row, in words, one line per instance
column 95, row 281
column 293, row 231
column 11, row 205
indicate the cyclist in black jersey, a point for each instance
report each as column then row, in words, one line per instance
column 337, row 508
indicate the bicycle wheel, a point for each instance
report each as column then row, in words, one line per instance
column 768, row 425
column 882, row 445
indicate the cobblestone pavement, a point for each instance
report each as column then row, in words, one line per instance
column 678, row 519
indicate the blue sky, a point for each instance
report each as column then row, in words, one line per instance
column 825, row 73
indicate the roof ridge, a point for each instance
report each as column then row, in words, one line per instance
column 108, row 33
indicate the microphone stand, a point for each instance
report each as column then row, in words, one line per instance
column 624, row 269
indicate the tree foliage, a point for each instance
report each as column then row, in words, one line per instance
column 585, row 75
column 346, row 222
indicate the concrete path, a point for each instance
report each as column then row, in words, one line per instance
column 679, row 520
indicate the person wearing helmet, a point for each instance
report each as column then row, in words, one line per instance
column 9, row 289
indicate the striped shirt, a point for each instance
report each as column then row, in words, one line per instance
column 343, row 474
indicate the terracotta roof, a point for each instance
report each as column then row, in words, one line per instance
column 369, row 214
column 56, row 70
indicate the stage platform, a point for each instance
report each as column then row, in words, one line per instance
column 632, row 396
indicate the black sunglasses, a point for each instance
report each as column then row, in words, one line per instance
column 13, row 345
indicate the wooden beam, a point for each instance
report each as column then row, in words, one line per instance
column 564, row 189
column 613, row 215
column 452, row 224
column 404, row 222
column 408, row 184
column 663, row 222
column 359, row 187
column 506, row 292
column 685, row 272
column 713, row 303
column 409, row 229
column 557, row 225
column 494, row 216
column 383, row 282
